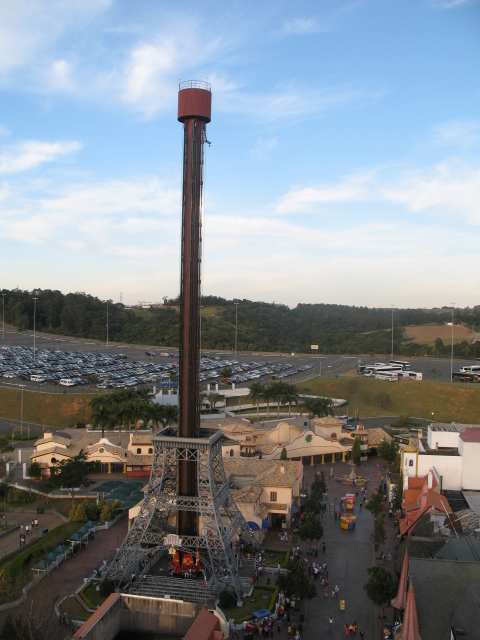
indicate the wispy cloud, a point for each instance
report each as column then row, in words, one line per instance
column 304, row 26
column 31, row 153
column 262, row 148
column 456, row 133
column 447, row 4
column 448, row 188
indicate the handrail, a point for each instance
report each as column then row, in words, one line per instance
column 195, row 84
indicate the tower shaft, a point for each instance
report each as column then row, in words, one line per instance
column 194, row 111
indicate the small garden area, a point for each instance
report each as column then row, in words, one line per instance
column 90, row 596
column 275, row 557
column 72, row 607
column 263, row 597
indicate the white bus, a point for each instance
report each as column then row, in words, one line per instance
column 67, row 382
column 36, row 378
column 389, row 376
column 473, row 368
column 403, row 363
column 410, row 375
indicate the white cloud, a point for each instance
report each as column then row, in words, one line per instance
column 262, row 148
column 449, row 188
column 29, row 29
column 304, row 26
column 31, row 153
column 447, row 4
column 457, row 133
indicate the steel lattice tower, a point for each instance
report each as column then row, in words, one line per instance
column 188, row 503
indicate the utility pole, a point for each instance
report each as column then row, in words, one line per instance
column 451, row 357
column 34, row 327
column 393, row 306
column 107, row 324
column 236, row 326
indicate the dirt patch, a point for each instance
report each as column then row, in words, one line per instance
column 427, row 334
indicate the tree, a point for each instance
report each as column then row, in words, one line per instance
column 102, row 412
column 403, row 420
column 72, row 473
column 311, row 528
column 295, row 582
column 380, row 587
column 268, row 395
column 398, row 488
column 388, row 449
column 277, row 390
column 255, row 393
column 34, row 471
column 379, row 532
column 283, row 455
column 212, row 399
column 375, row 503
column 291, row 396
column 356, row 452
column 5, row 445
column 318, row 407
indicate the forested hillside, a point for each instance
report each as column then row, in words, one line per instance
column 261, row 326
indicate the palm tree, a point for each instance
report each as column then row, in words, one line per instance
column 213, row 398
column 256, row 394
column 102, row 412
column 157, row 414
column 268, row 394
column 291, row 395
column 278, row 392
column 318, row 407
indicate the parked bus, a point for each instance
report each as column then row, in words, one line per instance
column 389, row 376
column 410, row 375
column 403, row 363
column 372, row 370
column 462, row 376
column 473, row 368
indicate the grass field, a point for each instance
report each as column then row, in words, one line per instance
column 260, row 599
column 62, row 505
column 56, row 409
column 71, row 606
column 426, row 334
column 370, row 398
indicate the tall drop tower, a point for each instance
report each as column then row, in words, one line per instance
column 194, row 111
column 188, row 506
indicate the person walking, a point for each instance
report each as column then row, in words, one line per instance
column 330, row 623
column 324, row 547
column 346, row 630
column 362, row 634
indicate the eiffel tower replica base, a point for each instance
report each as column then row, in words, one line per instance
column 221, row 526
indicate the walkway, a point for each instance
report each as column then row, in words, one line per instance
column 11, row 542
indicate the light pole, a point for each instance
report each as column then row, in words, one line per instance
column 393, row 306
column 34, row 326
column 107, row 324
column 320, row 362
column 21, row 411
column 451, row 357
column 236, row 326
column 3, row 315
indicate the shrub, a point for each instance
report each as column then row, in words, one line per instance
column 17, row 496
column 84, row 511
column 106, row 587
column 227, row 599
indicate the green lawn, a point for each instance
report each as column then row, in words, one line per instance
column 260, row 599
column 90, row 595
column 62, row 505
column 370, row 398
column 274, row 557
column 56, row 409
column 71, row 606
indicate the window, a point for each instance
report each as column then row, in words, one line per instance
column 273, row 496
column 231, row 453
column 139, row 450
column 410, row 463
column 53, row 460
column 150, row 450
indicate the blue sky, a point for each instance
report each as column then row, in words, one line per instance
column 345, row 157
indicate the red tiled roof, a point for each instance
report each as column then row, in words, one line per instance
column 470, row 435
column 412, row 520
column 400, row 599
column 410, row 626
column 416, row 483
column 203, row 627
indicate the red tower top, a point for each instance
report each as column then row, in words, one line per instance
column 194, row 100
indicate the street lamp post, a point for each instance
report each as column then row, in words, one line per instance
column 34, row 327
column 21, row 411
column 3, row 315
column 392, row 331
column 236, row 326
column 107, row 324
column 451, row 357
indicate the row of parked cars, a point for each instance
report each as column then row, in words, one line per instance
column 71, row 368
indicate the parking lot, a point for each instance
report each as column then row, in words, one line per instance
column 90, row 366
column 68, row 364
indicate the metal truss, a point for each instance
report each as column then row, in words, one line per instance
column 220, row 524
